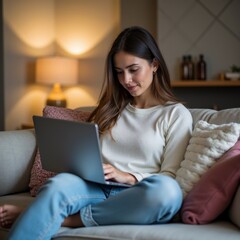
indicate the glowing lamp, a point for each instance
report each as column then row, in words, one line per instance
column 57, row 71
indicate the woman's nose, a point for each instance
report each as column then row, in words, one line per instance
column 127, row 78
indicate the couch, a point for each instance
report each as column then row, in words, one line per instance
column 17, row 153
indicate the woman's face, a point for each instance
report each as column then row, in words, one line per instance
column 134, row 74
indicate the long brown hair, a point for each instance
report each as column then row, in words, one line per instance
column 113, row 97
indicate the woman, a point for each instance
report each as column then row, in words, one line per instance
column 144, row 133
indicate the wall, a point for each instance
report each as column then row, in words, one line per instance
column 139, row 12
column 1, row 72
column 34, row 28
column 199, row 26
column 27, row 34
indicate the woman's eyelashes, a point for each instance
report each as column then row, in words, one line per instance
column 133, row 70
column 118, row 72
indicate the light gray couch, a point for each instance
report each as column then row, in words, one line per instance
column 17, row 152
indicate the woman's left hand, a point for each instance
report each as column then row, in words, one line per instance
column 111, row 173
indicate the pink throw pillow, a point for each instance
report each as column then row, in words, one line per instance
column 38, row 175
column 214, row 191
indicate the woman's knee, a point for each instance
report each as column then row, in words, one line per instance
column 161, row 191
column 60, row 183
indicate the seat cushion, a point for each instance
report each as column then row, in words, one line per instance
column 170, row 231
column 234, row 210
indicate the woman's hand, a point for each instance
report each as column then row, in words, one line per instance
column 111, row 173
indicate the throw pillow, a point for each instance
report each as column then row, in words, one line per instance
column 208, row 143
column 38, row 175
column 215, row 190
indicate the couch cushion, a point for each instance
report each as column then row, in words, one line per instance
column 170, row 231
column 207, row 144
column 234, row 211
column 215, row 190
column 202, row 114
column 17, row 151
column 221, row 230
column 38, row 174
column 215, row 117
column 20, row 199
column 226, row 116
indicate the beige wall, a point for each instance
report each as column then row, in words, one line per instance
column 26, row 35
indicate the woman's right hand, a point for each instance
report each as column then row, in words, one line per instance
column 111, row 173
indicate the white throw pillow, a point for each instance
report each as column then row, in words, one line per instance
column 208, row 143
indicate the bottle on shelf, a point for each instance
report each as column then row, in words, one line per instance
column 184, row 68
column 201, row 68
column 190, row 68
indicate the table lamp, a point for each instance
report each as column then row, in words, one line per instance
column 57, row 71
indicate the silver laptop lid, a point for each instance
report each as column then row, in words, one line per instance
column 69, row 146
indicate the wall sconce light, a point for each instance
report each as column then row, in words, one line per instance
column 57, row 71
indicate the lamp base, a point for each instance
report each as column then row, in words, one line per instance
column 57, row 103
column 56, row 97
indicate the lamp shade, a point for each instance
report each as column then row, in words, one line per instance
column 61, row 70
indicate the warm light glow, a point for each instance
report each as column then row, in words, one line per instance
column 78, row 97
column 75, row 46
column 80, row 43
column 81, row 27
column 34, row 98
column 76, row 26
column 33, row 23
column 56, row 93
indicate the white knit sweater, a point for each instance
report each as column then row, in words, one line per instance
column 148, row 141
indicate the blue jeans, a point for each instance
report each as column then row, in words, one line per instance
column 155, row 199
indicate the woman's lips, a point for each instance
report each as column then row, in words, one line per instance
column 132, row 88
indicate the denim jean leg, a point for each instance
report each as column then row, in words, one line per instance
column 155, row 199
column 86, row 212
column 62, row 195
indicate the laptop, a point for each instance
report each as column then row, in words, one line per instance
column 71, row 146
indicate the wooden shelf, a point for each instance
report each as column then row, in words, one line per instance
column 206, row 83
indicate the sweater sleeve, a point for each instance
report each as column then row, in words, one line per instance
column 177, row 138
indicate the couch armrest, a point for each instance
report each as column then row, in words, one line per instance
column 17, row 152
column 234, row 211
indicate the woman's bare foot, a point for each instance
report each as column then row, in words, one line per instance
column 8, row 215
